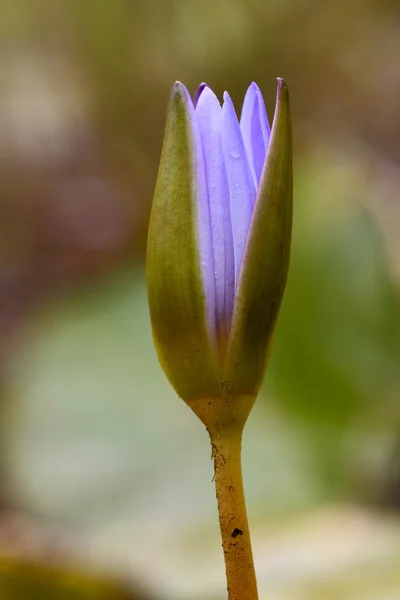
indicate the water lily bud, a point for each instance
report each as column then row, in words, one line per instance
column 219, row 241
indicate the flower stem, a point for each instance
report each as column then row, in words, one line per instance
column 224, row 418
column 226, row 453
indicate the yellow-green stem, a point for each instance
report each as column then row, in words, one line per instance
column 226, row 452
column 224, row 418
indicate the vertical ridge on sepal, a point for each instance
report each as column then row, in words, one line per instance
column 265, row 264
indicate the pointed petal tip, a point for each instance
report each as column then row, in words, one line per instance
column 207, row 97
column 199, row 92
column 251, row 92
column 227, row 100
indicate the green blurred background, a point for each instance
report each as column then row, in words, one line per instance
column 104, row 472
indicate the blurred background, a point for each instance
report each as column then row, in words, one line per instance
column 105, row 475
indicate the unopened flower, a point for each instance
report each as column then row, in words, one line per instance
column 219, row 240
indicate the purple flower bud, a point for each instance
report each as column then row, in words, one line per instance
column 220, row 227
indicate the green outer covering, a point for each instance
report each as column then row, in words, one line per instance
column 175, row 292
column 265, row 265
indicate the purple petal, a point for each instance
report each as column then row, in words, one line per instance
column 203, row 214
column 209, row 117
column 198, row 93
column 241, row 185
column 255, row 130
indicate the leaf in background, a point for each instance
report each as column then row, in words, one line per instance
column 26, row 580
column 337, row 343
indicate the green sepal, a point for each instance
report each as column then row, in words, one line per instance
column 174, row 282
column 263, row 274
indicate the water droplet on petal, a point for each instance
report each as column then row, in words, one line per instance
column 234, row 153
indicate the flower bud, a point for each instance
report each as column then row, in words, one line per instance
column 219, row 241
